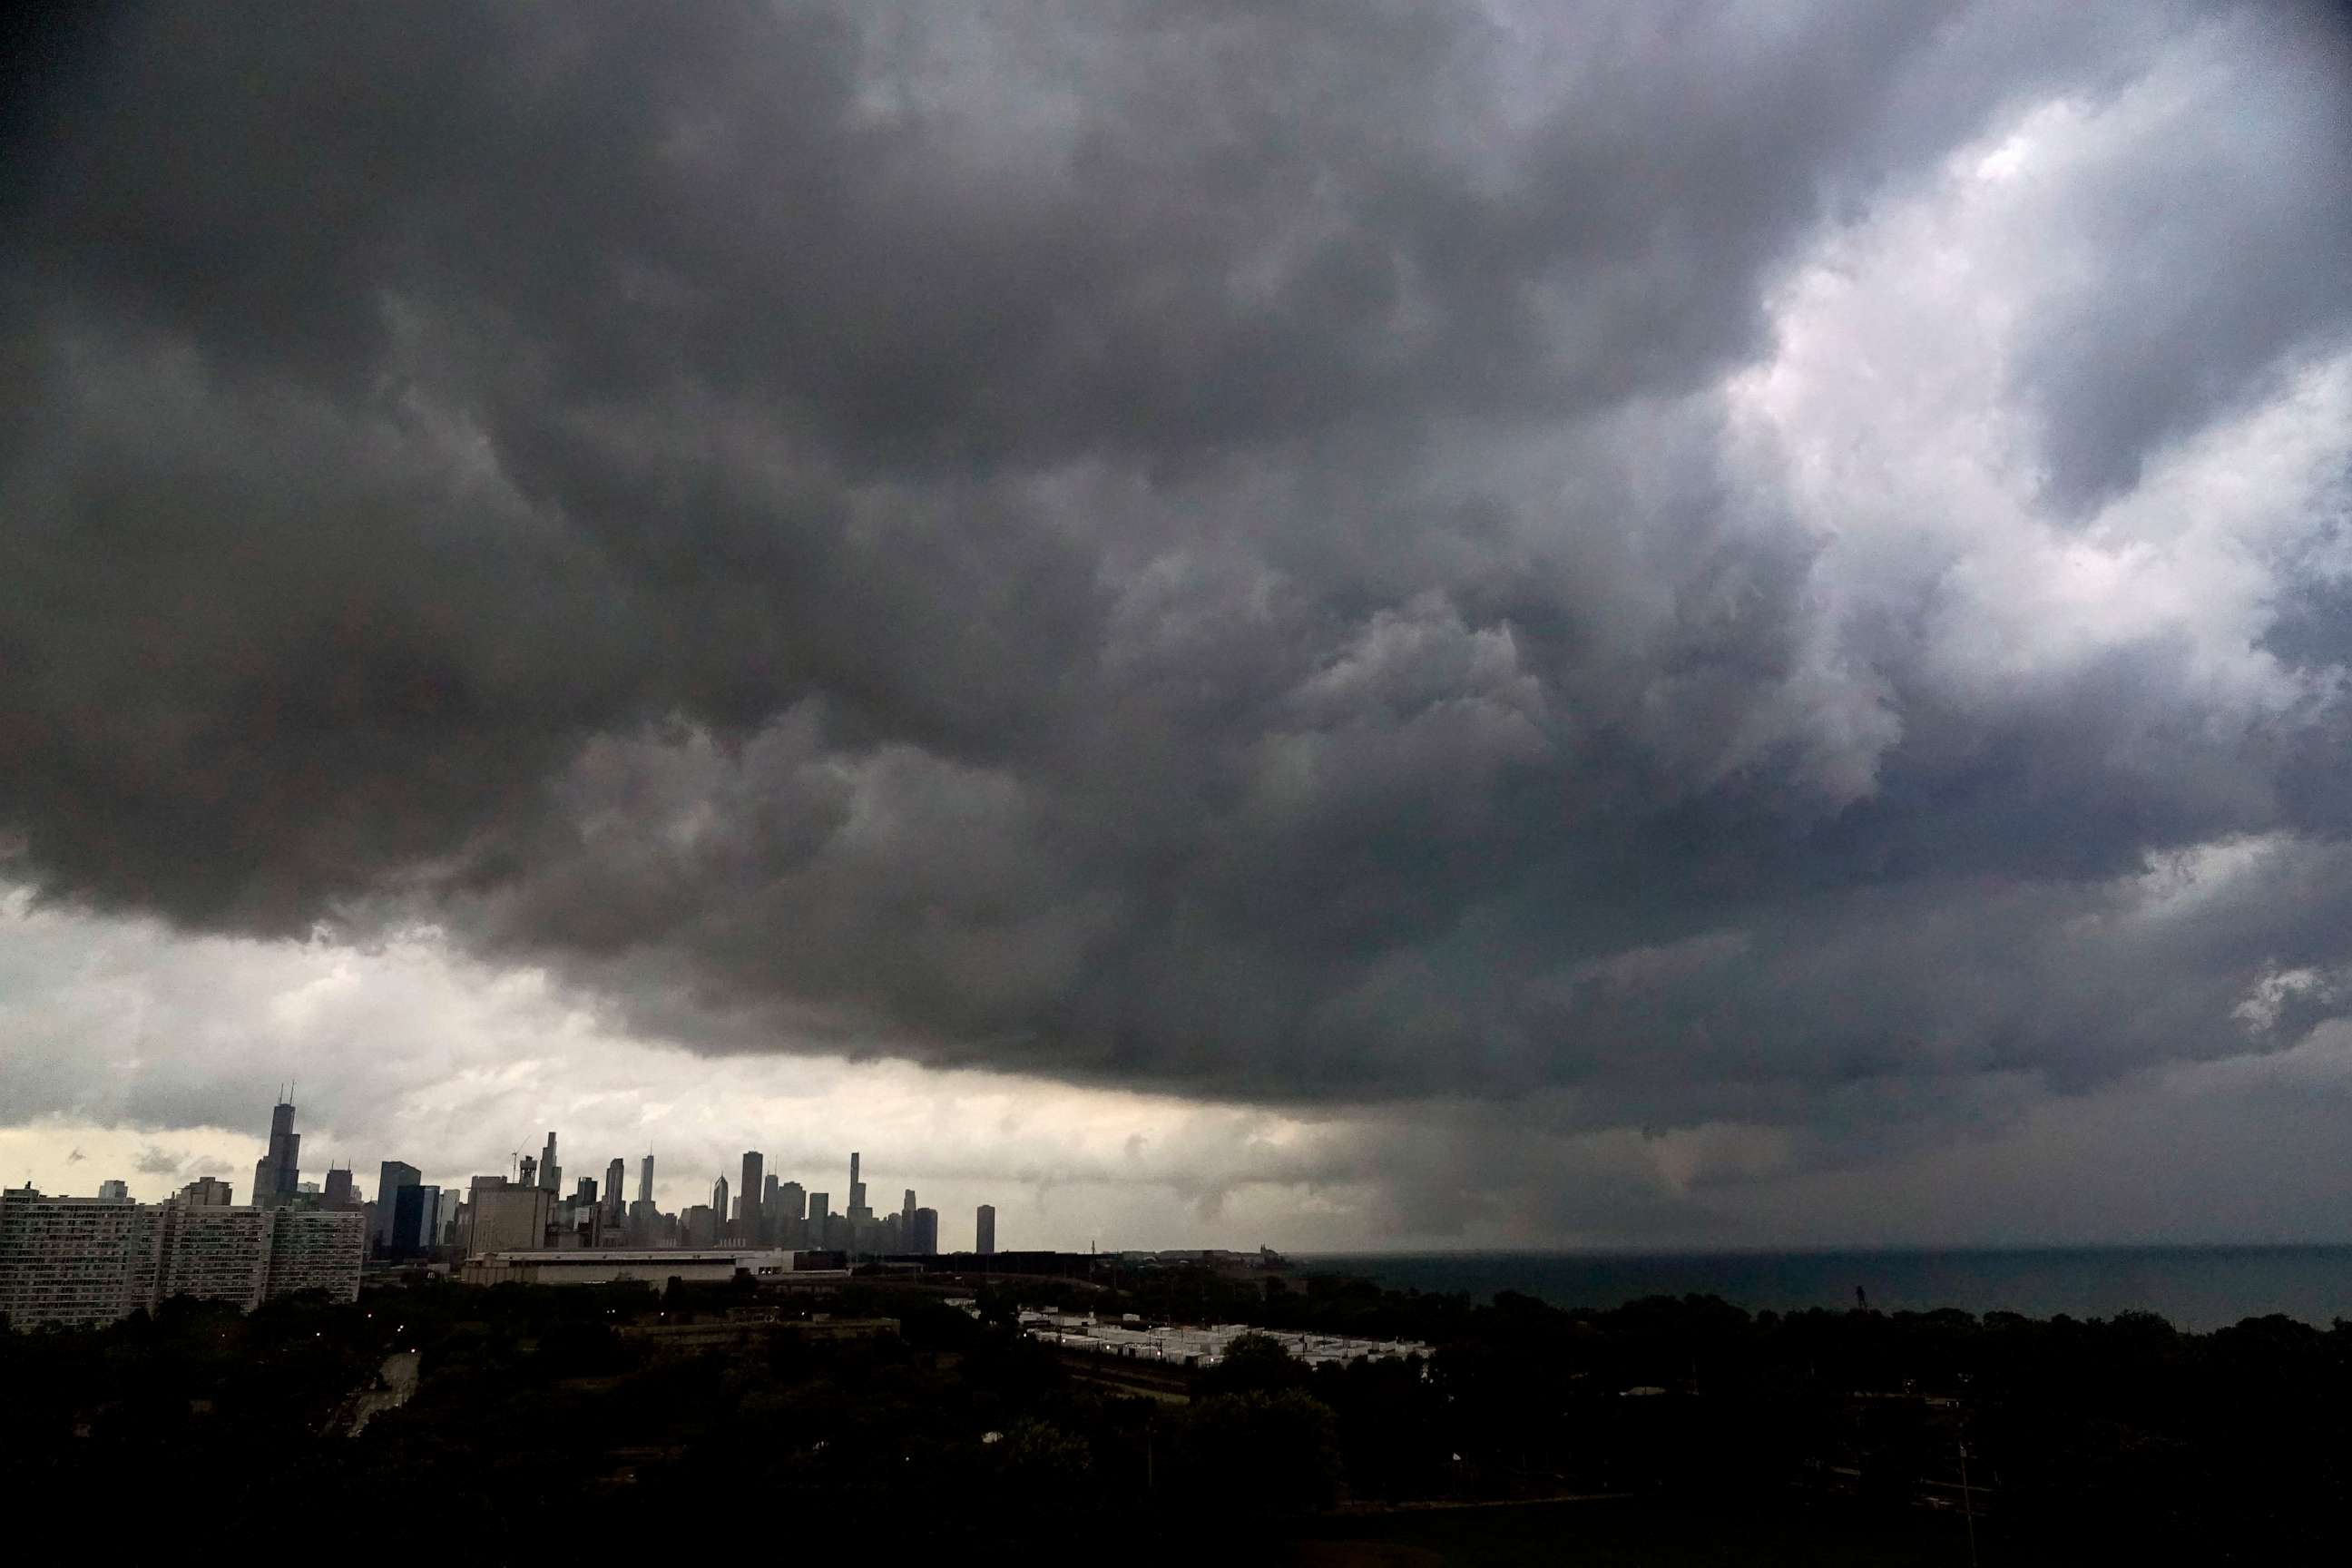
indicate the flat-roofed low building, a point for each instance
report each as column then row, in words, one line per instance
column 742, row 1333
column 1200, row 1345
column 618, row 1266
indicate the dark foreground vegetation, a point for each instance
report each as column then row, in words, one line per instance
column 546, row 1416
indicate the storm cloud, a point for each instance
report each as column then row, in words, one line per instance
column 1767, row 581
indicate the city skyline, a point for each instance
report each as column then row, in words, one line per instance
column 407, row 1217
column 1481, row 624
column 395, row 1176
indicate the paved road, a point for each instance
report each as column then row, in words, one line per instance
column 399, row 1373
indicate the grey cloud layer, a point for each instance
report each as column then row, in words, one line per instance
column 1200, row 547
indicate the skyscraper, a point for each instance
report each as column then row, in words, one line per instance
column 858, row 1209
column 788, row 1216
column 644, row 1223
column 339, row 1189
column 718, row 1199
column 206, row 1193
column 415, row 1219
column 925, row 1240
column 819, row 1213
column 504, row 1217
column 907, row 1215
column 753, row 1163
column 277, row 1174
column 615, row 1174
column 114, row 1192
column 390, row 1176
column 551, row 1174
column 984, row 1239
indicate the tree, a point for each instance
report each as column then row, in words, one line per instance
column 1044, row 1471
column 1256, row 1363
column 1254, row 1454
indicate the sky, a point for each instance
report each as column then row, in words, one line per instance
column 1334, row 626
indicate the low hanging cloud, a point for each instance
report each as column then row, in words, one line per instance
column 1772, row 577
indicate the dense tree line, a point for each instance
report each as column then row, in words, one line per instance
column 2061, row 1435
column 537, row 1409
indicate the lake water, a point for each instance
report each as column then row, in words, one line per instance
column 2195, row 1287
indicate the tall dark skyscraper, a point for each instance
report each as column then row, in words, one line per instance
column 390, row 1176
column 339, row 1188
column 415, row 1219
column 719, row 1202
column 924, row 1239
column 278, row 1175
column 820, row 1209
column 984, row 1231
column 749, row 1232
column 551, row 1174
column 907, row 1215
column 616, row 1174
column 646, row 1181
column 856, row 1191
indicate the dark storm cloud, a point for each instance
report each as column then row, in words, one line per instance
column 2250, row 220
column 1183, row 545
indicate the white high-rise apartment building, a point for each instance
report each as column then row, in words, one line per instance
column 76, row 1262
column 315, row 1250
column 216, row 1253
column 82, row 1262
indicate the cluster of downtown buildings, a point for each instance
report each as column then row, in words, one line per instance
column 531, row 1211
column 80, row 1261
